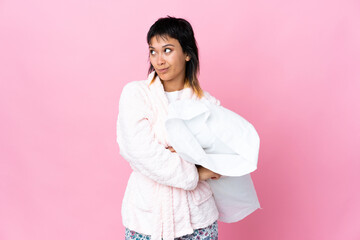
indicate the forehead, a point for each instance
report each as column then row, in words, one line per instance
column 159, row 40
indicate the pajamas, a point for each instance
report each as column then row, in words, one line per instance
column 207, row 233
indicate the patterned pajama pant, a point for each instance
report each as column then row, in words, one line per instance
column 207, row 233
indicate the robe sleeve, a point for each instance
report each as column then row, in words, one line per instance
column 139, row 147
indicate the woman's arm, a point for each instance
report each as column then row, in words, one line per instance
column 204, row 173
column 139, row 147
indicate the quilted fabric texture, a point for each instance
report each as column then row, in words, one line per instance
column 164, row 197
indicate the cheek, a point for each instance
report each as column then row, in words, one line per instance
column 181, row 62
column 178, row 61
column 152, row 61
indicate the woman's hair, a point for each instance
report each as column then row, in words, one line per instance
column 181, row 30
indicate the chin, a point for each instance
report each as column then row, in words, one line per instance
column 163, row 77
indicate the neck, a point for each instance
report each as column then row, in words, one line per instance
column 174, row 84
column 170, row 87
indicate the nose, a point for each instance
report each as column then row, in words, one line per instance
column 160, row 60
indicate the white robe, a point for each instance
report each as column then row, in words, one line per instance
column 222, row 141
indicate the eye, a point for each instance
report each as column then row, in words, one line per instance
column 152, row 52
column 167, row 49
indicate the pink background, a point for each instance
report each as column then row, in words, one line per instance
column 291, row 68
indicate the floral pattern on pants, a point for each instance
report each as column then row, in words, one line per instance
column 207, row 233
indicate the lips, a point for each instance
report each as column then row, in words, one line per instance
column 162, row 70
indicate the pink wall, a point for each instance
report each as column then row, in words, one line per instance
column 292, row 68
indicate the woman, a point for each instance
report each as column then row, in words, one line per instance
column 166, row 196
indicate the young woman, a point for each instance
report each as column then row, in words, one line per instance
column 166, row 196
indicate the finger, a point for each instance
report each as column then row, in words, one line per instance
column 170, row 148
column 217, row 176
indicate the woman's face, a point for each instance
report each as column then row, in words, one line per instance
column 168, row 58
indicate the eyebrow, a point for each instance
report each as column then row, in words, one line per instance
column 166, row 45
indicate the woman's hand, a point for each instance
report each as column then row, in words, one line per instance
column 205, row 173
column 171, row 149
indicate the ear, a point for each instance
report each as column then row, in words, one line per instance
column 187, row 58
